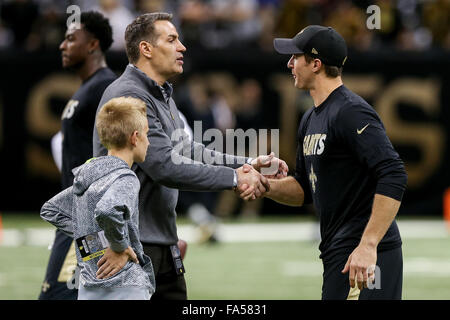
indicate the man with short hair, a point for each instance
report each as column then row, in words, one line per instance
column 83, row 51
column 155, row 54
column 348, row 168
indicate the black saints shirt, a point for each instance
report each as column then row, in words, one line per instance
column 78, row 119
column 344, row 158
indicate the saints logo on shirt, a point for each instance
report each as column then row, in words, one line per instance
column 314, row 144
column 312, row 179
column 69, row 110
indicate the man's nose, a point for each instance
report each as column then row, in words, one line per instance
column 62, row 45
column 290, row 63
column 181, row 47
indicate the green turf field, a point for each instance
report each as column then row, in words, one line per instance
column 247, row 270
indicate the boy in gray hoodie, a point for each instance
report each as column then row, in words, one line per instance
column 100, row 210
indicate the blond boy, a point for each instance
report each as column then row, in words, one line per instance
column 100, row 210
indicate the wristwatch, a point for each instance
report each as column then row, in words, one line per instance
column 235, row 180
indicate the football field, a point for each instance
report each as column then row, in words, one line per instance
column 268, row 258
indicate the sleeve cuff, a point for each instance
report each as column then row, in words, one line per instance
column 119, row 246
column 390, row 191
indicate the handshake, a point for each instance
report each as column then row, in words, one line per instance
column 253, row 180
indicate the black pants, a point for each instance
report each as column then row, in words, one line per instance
column 336, row 285
column 52, row 289
column 169, row 285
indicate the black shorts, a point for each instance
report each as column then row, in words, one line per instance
column 169, row 285
column 60, row 268
column 389, row 284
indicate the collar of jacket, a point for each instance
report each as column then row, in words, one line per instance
column 153, row 87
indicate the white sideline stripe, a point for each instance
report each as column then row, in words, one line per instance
column 431, row 267
column 302, row 268
column 29, row 237
column 423, row 229
column 248, row 232
column 305, row 231
column 265, row 232
column 12, row 238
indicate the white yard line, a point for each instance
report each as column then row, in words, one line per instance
column 302, row 268
column 305, row 231
column 423, row 229
column 12, row 238
column 245, row 232
column 429, row 266
column 258, row 232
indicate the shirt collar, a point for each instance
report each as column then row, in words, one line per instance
column 322, row 106
column 165, row 91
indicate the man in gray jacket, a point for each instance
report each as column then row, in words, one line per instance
column 155, row 54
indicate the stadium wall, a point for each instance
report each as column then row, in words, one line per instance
column 409, row 90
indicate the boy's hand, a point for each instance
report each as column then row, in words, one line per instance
column 112, row 262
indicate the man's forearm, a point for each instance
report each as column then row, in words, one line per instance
column 384, row 211
column 214, row 157
column 286, row 191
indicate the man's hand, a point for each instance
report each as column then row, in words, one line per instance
column 112, row 262
column 251, row 182
column 361, row 264
column 270, row 166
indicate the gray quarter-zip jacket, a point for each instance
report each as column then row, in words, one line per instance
column 104, row 196
column 167, row 167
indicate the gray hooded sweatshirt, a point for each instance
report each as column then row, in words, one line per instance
column 104, row 196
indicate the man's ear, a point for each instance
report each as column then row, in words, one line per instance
column 94, row 44
column 134, row 138
column 146, row 49
column 317, row 64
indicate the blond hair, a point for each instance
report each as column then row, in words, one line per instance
column 118, row 119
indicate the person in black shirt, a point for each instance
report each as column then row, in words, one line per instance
column 83, row 51
column 348, row 168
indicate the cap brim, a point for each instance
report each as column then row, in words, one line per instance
column 285, row 46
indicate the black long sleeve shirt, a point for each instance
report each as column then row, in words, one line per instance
column 344, row 158
column 78, row 120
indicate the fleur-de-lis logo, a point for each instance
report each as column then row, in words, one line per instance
column 313, row 179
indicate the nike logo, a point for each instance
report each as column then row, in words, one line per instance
column 361, row 130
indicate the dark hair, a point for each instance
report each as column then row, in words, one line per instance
column 330, row 71
column 96, row 24
column 142, row 28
